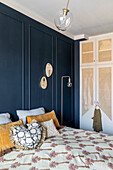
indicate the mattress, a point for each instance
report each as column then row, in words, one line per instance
column 72, row 149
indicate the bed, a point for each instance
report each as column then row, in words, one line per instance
column 72, row 149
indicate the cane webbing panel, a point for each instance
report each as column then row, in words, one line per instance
column 105, row 90
column 87, row 52
column 105, row 50
column 87, row 89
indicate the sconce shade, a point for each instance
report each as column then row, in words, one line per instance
column 69, row 84
column 43, row 82
column 49, row 70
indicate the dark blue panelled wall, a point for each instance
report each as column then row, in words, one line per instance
column 25, row 48
column 76, row 82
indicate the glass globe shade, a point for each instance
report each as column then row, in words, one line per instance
column 63, row 22
column 69, row 84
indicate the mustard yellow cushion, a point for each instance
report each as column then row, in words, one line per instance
column 44, row 117
column 4, row 135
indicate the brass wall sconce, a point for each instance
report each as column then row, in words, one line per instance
column 49, row 70
column 69, row 84
column 43, row 82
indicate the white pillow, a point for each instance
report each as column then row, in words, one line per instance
column 5, row 118
column 22, row 114
column 51, row 129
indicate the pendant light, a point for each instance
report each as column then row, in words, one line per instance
column 63, row 19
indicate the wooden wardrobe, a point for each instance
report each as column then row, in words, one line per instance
column 96, row 81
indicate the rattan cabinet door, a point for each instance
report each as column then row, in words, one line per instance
column 87, row 52
column 87, row 89
column 105, row 50
column 105, row 89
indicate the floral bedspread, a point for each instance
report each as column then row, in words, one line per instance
column 73, row 149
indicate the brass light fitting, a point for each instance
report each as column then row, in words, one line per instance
column 69, row 84
column 65, row 10
column 63, row 18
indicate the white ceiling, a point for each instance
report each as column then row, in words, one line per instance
column 91, row 17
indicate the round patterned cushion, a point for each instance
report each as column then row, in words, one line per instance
column 27, row 138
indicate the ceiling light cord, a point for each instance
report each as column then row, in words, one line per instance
column 67, row 4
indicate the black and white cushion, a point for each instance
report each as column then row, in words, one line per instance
column 27, row 138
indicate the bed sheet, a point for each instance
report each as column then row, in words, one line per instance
column 72, row 149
